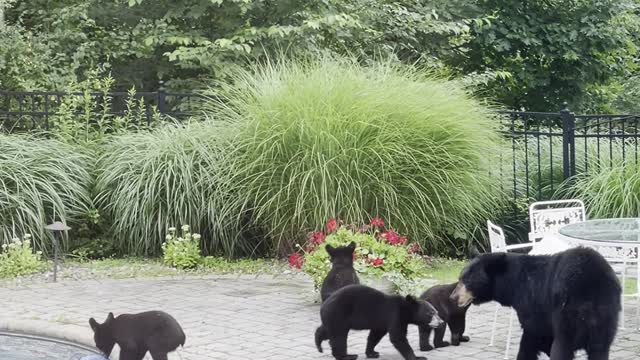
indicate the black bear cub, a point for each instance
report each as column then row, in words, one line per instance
column 358, row 307
column 440, row 297
column 342, row 272
column 154, row 331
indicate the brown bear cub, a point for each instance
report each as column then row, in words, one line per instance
column 342, row 272
column 154, row 331
column 449, row 312
column 358, row 307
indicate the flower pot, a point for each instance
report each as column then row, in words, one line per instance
column 379, row 283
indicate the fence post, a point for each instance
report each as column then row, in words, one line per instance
column 568, row 141
column 162, row 99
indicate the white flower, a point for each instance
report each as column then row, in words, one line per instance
column 27, row 236
column 4, row 246
column 15, row 240
column 185, row 228
column 168, row 237
column 196, row 237
column 172, row 229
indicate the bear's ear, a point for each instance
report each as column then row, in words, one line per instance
column 473, row 252
column 352, row 246
column 410, row 299
column 330, row 249
column 94, row 324
column 110, row 318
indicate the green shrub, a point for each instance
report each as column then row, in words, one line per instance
column 611, row 191
column 18, row 258
column 40, row 181
column 146, row 182
column 328, row 137
column 182, row 252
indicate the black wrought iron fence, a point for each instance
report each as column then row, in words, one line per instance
column 22, row 111
column 547, row 148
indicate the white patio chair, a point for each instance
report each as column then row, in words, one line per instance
column 498, row 244
column 547, row 217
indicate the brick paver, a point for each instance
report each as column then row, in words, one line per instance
column 229, row 317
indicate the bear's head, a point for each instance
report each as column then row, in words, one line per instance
column 422, row 312
column 103, row 334
column 477, row 281
column 341, row 256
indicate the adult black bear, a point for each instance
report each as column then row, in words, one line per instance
column 565, row 302
column 342, row 272
column 358, row 307
column 448, row 310
column 154, row 331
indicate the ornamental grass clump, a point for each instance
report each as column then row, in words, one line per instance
column 329, row 137
column 609, row 191
column 41, row 181
column 146, row 182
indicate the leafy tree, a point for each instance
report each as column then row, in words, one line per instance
column 554, row 49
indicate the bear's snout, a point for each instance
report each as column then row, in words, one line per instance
column 461, row 295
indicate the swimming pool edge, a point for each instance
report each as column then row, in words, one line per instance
column 66, row 333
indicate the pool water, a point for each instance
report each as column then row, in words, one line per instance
column 22, row 347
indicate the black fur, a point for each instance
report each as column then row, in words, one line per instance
column 565, row 302
column 358, row 307
column 449, row 312
column 154, row 331
column 342, row 272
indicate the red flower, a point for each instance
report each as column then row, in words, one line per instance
column 414, row 248
column 402, row 240
column 332, row 225
column 377, row 262
column 391, row 236
column 316, row 237
column 296, row 260
column 376, row 222
column 310, row 248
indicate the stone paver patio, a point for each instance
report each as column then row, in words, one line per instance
column 230, row 317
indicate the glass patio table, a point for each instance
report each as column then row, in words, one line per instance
column 618, row 240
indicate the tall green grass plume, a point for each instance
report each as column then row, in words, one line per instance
column 328, row 137
column 147, row 182
column 41, row 181
column 611, row 191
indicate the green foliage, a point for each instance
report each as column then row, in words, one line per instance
column 554, row 50
column 41, row 181
column 89, row 119
column 182, row 251
column 18, row 258
column 95, row 249
column 522, row 54
column 374, row 256
column 146, row 182
column 327, row 137
column 610, row 192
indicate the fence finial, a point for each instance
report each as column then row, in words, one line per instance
column 565, row 107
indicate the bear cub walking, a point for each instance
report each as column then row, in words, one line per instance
column 342, row 272
column 154, row 331
column 440, row 297
column 358, row 307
